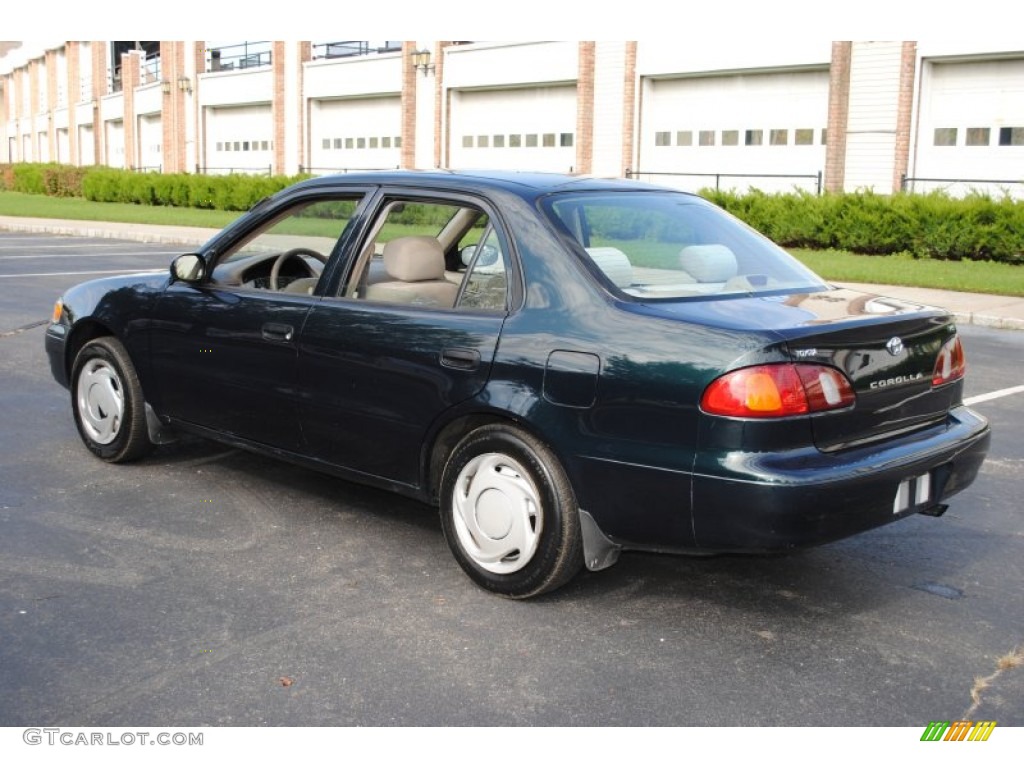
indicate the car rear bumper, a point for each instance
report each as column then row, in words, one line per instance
column 779, row 501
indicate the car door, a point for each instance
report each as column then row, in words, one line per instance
column 224, row 350
column 405, row 338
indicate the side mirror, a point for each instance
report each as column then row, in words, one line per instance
column 189, row 268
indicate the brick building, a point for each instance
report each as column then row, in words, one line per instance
column 845, row 115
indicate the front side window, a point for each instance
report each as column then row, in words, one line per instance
column 666, row 245
column 288, row 253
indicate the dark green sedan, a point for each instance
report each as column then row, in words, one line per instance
column 568, row 367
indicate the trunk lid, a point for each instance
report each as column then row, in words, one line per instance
column 886, row 347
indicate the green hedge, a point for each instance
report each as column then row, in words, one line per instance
column 935, row 225
column 928, row 226
column 236, row 192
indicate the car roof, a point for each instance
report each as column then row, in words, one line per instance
column 523, row 183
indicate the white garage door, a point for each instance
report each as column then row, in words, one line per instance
column 239, row 139
column 523, row 129
column 971, row 126
column 150, row 156
column 355, row 134
column 766, row 123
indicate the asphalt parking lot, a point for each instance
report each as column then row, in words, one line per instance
column 206, row 586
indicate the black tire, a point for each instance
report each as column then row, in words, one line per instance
column 509, row 513
column 107, row 402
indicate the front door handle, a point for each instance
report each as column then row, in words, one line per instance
column 277, row 332
column 460, row 358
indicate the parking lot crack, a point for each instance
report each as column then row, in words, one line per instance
column 1014, row 658
column 23, row 328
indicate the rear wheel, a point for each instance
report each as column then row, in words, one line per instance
column 509, row 514
column 107, row 401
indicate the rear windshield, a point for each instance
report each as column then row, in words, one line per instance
column 666, row 245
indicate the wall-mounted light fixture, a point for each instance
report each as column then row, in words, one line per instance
column 421, row 61
column 184, row 84
column 165, row 86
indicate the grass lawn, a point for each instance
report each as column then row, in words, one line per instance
column 900, row 269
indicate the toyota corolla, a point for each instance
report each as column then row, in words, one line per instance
column 566, row 367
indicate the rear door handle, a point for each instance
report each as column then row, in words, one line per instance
column 460, row 358
column 277, row 332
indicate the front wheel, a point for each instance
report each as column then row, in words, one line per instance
column 107, row 401
column 509, row 514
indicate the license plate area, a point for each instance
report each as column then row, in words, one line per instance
column 914, row 492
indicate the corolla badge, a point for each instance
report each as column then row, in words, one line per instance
column 894, row 345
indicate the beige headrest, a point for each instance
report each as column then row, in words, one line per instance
column 614, row 263
column 414, row 258
column 708, row 263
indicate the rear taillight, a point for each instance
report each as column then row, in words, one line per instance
column 783, row 389
column 950, row 364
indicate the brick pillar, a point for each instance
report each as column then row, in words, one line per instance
column 51, row 104
column 73, row 54
column 277, row 107
column 172, row 114
column 408, row 155
column 99, row 89
column 838, row 115
column 33, row 107
column 585, row 107
column 130, row 71
column 629, row 107
column 904, row 113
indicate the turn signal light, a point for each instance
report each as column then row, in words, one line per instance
column 950, row 364
column 58, row 308
column 783, row 389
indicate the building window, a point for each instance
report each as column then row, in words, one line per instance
column 824, row 135
column 977, row 137
column 565, row 140
column 238, row 146
column 398, row 142
column 482, row 141
column 350, row 143
column 326, row 144
column 245, row 146
column 373, row 142
column 498, row 140
column 549, row 139
column 515, row 140
column 531, row 139
column 778, row 137
column 662, row 139
column 1011, row 137
column 945, row 137
column 803, row 136
column 264, row 145
column 684, row 138
column 385, row 142
column 337, row 143
column 707, row 138
column 730, row 138
column 220, row 146
column 753, row 138
column 360, row 143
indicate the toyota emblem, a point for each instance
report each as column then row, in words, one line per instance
column 894, row 345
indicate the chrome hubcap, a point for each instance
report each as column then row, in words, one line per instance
column 100, row 401
column 497, row 513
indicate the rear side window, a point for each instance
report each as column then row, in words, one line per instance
column 665, row 245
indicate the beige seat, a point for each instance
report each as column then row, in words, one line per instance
column 415, row 265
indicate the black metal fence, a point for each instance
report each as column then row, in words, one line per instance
column 317, row 169
column 241, row 56
column 265, row 170
column 816, row 177
column 147, row 168
column 343, row 48
column 907, row 182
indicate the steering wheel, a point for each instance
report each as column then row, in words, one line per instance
column 275, row 271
